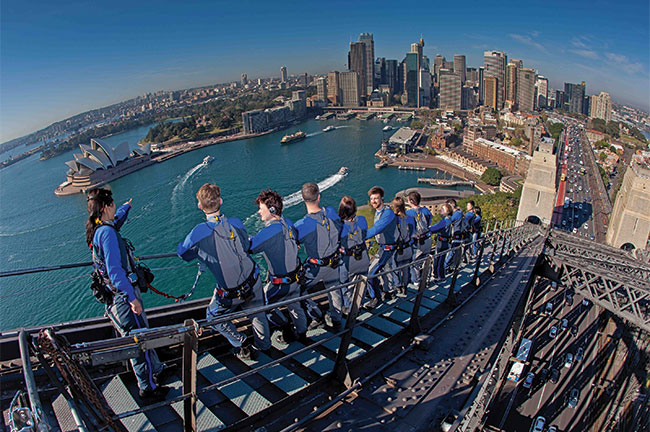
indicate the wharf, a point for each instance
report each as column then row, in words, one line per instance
column 442, row 182
column 366, row 116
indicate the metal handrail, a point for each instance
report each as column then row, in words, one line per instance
column 516, row 233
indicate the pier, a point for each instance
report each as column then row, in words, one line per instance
column 442, row 182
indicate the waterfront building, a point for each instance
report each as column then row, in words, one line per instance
column 254, row 121
column 403, row 140
column 283, row 74
column 333, row 88
column 491, row 96
column 298, row 95
column 541, row 92
column 321, row 86
column 369, row 69
column 350, row 89
column 278, row 116
column 450, row 90
column 357, row 62
column 459, row 67
column 575, row 94
column 526, row 89
column 244, row 79
column 495, row 67
column 601, row 107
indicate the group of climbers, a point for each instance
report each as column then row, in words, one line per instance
column 335, row 245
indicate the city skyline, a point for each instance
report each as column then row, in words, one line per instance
column 50, row 72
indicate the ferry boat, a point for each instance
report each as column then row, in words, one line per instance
column 207, row 160
column 388, row 128
column 293, row 137
column 329, row 128
column 343, row 171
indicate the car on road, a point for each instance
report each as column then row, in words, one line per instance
column 549, row 308
column 552, row 429
column 528, row 382
column 565, row 324
column 543, row 375
column 538, row 424
column 574, row 398
column 569, row 299
column 568, row 362
column 553, row 285
column 593, row 236
column 553, row 332
column 574, row 330
column 575, row 230
column 585, row 302
column 580, row 354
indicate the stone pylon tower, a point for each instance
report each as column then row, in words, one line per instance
column 538, row 194
column 630, row 221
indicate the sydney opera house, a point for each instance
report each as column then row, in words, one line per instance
column 99, row 163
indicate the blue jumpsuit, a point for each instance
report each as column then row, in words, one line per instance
column 422, row 242
column 277, row 242
column 385, row 232
column 353, row 240
column 476, row 233
column 443, row 231
column 406, row 227
column 111, row 257
column 453, row 258
column 221, row 244
column 320, row 233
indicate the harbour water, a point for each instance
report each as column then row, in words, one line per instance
column 38, row 228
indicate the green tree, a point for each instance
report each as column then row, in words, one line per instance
column 517, row 142
column 555, row 129
column 416, row 124
column 492, row 176
column 601, row 144
column 602, row 156
column 612, row 129
column 613, row 149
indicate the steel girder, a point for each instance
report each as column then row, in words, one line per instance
column 609, row 278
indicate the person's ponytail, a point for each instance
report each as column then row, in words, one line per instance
column 96, row 201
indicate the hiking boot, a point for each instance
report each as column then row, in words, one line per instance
column 314, row 324
column 401, row 290
column 388, row 296
column 373, row 303
column 246, row 353
column 150, row 396
column 162, row 376
column 331, row 325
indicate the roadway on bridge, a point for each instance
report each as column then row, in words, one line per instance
column 516, row 407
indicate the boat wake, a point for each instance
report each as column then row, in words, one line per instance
column 183, row 180
column 253, row 222
column 314, row 134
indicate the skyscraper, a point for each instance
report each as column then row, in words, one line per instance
column 526, row 89
column 541, row 92
column 357, row 62
column 369, row 71
column 392, row 76
column 512, row 71
column 495, row 66
column 491, row 92
column 380, row 72
column 459, row 67
column 425, row 87
column 438, row 63
column 575, row 94
column 333, row 88
column 601, row 107
column 244, row 79
column 321, row 86
column 411, row 84
column 481, row 85
column 350, row 88
column 450, row 90
column 283, row 74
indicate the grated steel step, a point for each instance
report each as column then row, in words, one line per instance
column 282, row 377
column 206, row 420
column 63, row 414
column 311, row 359
column 238, row 392
column 120, row 400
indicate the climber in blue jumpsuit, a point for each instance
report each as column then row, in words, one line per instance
column 457, row 222
column 442, row 230
column 353, row 246
column 221, row 244
column 113, row 260
column 385, row 232
column 422, row 242
column 476, row 230
column 468, row 225
column 404, row 252
column 320, row 233
column 277, row 242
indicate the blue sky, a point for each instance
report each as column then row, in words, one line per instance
column 58, row 59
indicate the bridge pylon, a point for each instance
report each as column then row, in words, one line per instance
column 538, row 195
